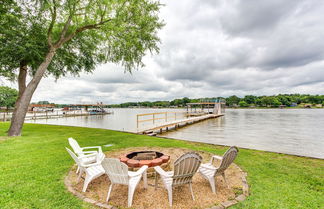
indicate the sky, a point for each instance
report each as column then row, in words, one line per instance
column 212, row 48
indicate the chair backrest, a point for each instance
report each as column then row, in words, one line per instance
column 116, row 170
column 185, row 167
column 75, row 158
column 228, row 158
column 75, row 146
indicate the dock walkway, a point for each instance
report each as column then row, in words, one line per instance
column 176, row 124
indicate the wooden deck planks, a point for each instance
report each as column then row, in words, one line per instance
column 177, row 123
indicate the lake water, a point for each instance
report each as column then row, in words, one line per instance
column 291, row 131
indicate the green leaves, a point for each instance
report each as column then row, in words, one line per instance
column 8, row 96
column 84, row 33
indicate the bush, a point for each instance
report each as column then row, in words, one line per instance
column 243, row 104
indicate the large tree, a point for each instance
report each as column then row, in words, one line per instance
column 56, row 37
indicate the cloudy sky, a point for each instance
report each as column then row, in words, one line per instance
column 214, row 48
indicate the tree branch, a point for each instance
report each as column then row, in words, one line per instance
column 63, row 33
column 65, row 28
column 49, row 32
column 81, row 29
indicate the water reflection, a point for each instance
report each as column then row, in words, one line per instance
column 295, row 131
column 291, row 131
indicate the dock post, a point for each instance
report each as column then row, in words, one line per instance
column 137, row 121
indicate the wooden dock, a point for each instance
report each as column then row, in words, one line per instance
column 175, row 124
column 50, row 115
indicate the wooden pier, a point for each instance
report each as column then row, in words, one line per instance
column 166, row 126
column 50, row 115
column 214, row 109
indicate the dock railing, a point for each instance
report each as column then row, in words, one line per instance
column 158, row 117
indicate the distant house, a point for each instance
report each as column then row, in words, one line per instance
column 319, row 106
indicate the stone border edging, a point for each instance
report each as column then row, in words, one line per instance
column 68, row 185
column 226, row 204
column 239, row 198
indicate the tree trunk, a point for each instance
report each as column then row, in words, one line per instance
column 26, row 93
column 21, row 84
column 22, row 78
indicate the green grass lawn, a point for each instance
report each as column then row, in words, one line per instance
column 32, row 169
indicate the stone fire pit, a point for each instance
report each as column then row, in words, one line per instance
column 140, row 158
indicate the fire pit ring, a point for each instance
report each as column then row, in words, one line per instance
column 140, row 158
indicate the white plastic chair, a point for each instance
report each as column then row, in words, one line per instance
column 209, row 171
column 81, row 153
column 184, row 169
column 92, row 170
column 118, row 174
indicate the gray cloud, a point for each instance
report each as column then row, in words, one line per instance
column 215, row 48
column 253, row 16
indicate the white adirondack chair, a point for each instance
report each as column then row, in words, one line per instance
column 209, row 171
column 80, row 151
column 92, row 170
column 184, row 169
column 118, row 174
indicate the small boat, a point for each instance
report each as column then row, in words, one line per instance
column 96, row 111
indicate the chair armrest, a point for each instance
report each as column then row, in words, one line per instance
column 215, row 157
column 160, row 171
column 208, row 167
column 93, row 147
column 88, row 152
column 87, row 156
column 139, row 172
column 90, row 164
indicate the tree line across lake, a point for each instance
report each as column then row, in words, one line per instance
column 288, row 100
column 8, row 97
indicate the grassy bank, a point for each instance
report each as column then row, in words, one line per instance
column 32, row 169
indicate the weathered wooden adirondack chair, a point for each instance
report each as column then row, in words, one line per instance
column 92, row 170
column 118, row 174
column 184, row 169
column 209, row 171
column 80, row 152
